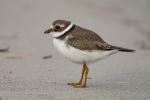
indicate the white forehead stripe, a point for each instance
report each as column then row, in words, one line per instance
column 58, row 34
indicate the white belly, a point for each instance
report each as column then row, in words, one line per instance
column 80, row 56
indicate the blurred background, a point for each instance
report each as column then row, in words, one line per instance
column 31, row 68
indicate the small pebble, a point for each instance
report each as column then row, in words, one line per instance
column 4, row 49
column 47, row 57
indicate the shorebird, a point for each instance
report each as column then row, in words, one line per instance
column 80, row 45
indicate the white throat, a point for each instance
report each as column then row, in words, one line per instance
column 58, row 34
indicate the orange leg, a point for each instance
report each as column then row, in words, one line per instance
column 86, row 75
column 83, row 80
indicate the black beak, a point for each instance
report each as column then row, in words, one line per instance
column 48, row 31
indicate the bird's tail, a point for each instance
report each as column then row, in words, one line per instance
column 123, row 49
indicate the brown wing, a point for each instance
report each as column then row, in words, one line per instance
column 85, row 39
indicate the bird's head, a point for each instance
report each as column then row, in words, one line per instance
column 58, row 28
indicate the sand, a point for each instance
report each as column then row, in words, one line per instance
column 25, row 75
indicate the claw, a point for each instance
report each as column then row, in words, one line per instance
column 77, row 85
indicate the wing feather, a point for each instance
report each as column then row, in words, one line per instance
column 85, row 39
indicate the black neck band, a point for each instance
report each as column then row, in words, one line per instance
column 62, row 36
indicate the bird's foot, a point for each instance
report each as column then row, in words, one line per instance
column 77, row 85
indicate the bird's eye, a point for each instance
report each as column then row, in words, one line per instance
column 57, row 27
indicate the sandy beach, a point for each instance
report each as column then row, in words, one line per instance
column 26, row 75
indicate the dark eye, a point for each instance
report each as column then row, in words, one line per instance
column 57, row 27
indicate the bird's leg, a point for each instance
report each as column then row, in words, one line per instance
column 80, row 82
column 86, row 74
column 83, row 80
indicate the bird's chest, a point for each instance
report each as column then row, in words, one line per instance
column 61, row 46
column 69, row 52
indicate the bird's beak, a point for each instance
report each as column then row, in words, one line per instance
column 48, row 31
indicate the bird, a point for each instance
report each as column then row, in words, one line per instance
column 80, row 45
